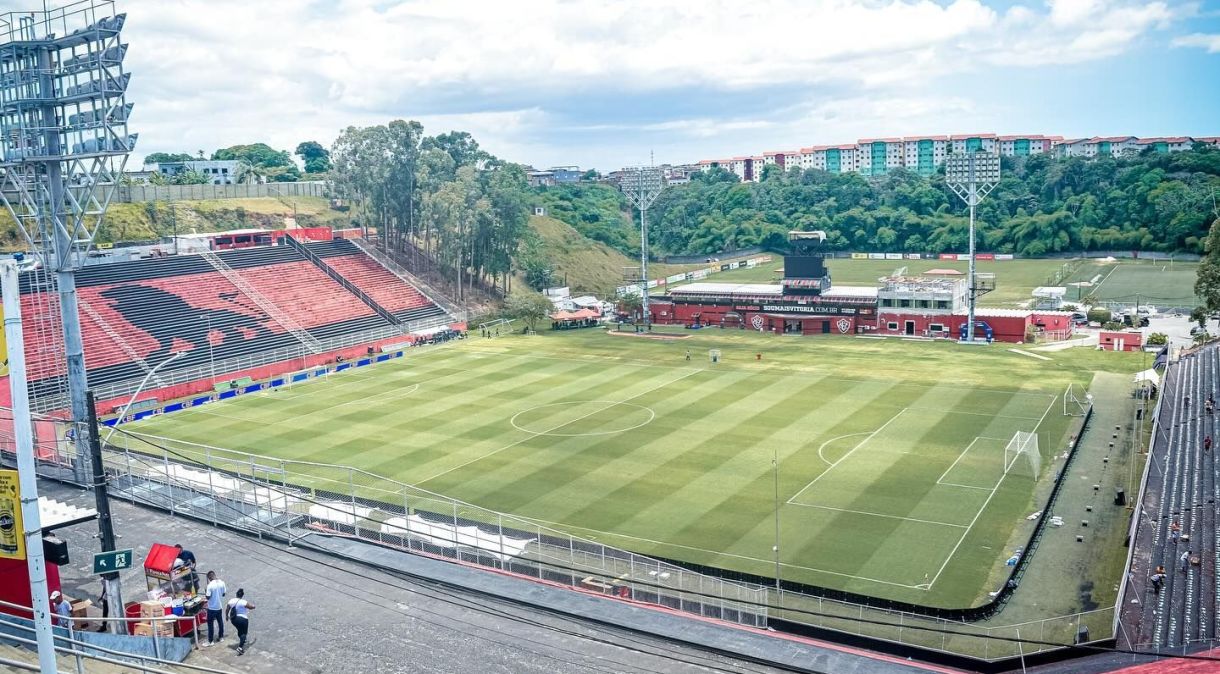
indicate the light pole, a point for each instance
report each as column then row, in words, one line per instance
column 972, row 176
column 775, row 473
column 130, row 402
column 23, row 434
column 642, row 185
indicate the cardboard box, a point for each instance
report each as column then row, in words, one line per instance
column 151, row 609
column 80, row 611
column 144, row 629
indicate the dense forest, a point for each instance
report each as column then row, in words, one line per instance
column 1150, row 202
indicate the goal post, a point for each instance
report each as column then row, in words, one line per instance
column 1021, row 455
column 713, row 356
column 1075, row 402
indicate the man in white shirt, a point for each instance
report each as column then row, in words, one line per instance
column 61, row 608
column 215, row 592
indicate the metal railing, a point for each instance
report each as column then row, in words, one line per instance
column 293, row 499
column 433, row 295
column 264, row 303
column 81, row 650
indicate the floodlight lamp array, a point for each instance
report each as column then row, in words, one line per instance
column 972, row 167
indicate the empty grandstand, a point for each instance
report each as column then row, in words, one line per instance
column 225, row 311
column 1175, row 564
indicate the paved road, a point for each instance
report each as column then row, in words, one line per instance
column 317, row 614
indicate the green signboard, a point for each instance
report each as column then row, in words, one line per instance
column 109, row 562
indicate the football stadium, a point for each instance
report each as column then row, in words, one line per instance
column 856, row 435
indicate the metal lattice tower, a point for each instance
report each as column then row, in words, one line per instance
column 972, row 176
column 63, row 147
column 642, row 185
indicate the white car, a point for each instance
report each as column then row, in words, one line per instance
column 1145, row 310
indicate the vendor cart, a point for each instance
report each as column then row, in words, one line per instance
column 170, row 586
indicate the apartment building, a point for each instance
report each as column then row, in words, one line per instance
column 924, row 154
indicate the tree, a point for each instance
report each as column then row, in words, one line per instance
column 589, row 176
column 1207, row 280
column 190, row 178
column 167, row 158
column 256, row 154
column 528, row 307
column 315, row 157
column 1199, row 315
column 630, row 304
column 1158, row 339
column 538, row 273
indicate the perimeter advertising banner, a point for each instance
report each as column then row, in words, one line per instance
column 859, row 256
column 12, row 533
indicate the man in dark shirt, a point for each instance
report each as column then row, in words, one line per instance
column 188, row 560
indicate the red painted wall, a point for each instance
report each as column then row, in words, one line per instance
column 1131, row 341
column 15, row 584
column 1004, row 328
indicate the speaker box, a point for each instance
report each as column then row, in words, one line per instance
column 56, row 550
column 1120, row 497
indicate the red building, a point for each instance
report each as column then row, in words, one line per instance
column 1120, row 340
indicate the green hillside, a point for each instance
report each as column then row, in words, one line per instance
column 152, row 220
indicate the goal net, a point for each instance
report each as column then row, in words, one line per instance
column 713, row 355
column 1021, row 456
column 1075, row 402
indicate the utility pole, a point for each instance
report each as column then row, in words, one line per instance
column 23, row 434
column 775, row 473
column 105, row 525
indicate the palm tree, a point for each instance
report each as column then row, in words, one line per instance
column 250, row 174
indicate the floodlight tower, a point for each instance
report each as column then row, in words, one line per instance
column 642, row 185
column 972, row 176
column 63, row 146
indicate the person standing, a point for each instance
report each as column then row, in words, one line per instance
column 1185, row 561
column 1207, row 443
column 688, row 354
column 188, row 559
column 215, row 591
column 61, row 608
column 239, row 615
column 1175, row 530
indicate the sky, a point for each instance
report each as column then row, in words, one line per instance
column 605, row 84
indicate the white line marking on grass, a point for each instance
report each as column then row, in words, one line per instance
column 823, row 445
column 967, row 531
column 559, row 426
column 1031, row 355
column 959, row 458
column 849, row 453
column 651, row 415
column 963, row 486
column 609, row 534
column 892, row 517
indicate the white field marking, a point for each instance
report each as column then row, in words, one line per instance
column 651, row 415
column 984, row 506
column 1048, row 411
column 555, row 428
column 940, row 480
column 963, row 486
column 1107, row 278
column 967, row 531
column 777, row 372
column 608, row 534
column 823, row 445
column 892, row 517
column 849, row 453
column 1031, row 355
column 977, row 414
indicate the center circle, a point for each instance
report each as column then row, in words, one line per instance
column 579, row 418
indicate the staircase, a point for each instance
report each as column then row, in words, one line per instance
column 454, row 311
column 351, row 287
column 118, row 339
column 263, row 303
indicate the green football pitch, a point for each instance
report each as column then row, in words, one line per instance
column 894, row 474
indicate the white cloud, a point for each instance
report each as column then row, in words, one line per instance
column 209, row 73
column 1202, row 40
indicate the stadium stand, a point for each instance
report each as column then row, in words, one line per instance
column 1180, row 504
column 135, row 314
